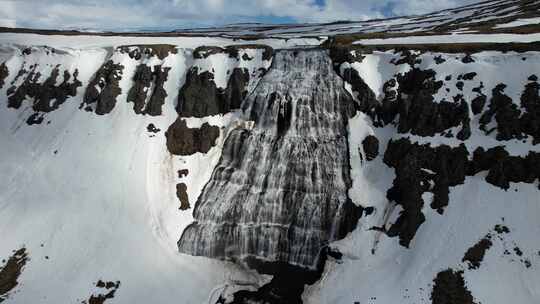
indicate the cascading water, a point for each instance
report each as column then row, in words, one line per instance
column 279, row 192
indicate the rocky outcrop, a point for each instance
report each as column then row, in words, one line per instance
column 139, row 52
column 181, row 193
column 147, row 93
column 503, row 168
column 105, row 291
column 102, row 91
column 182, row 140
column 200, row 96
column 408, row 98
column 449, row 288
column 511, row 121
column 45, row 96
column 419, row 169
column 419, row 114
column 475, row 255
column 10, row 272
column 4, row 73
column 371, row 147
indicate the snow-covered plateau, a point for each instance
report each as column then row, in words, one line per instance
column 376, row 162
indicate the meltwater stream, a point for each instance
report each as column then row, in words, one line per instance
column 279, row 192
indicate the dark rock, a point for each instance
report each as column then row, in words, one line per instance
column 459, row 85
column 145, row 79
column 503, row 168
column 138, row 52
column 506, row 115
column 10, row 272
column 183, row 173
column 467, row 59
column 103, row 89
column 518, row 251
column 469, row 76
column 416, row 165
column 181, row 193
column 407, row 57
column 47, row 96
column 35, row 119
column 4, row 73
column 530, row 103
column 475, row 255
column 152, row 128
column 478, row 103
column 449, row 288
column 439, row 59
column 182, row 140
column 500, row 229
column 371, row 147
column 109, row 290
column 448, row 77
column 200, row 97
column 419, row 114
column 365, row 96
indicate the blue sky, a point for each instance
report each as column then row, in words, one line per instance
column 172, row 14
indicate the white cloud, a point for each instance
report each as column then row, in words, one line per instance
column 120, row 14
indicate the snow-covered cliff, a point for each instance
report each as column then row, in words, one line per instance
column 308, row 170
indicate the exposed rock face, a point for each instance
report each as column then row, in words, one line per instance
column 107, row 291
column 511, row 122
column 47, row 95
column 419, row 169
column 10, row 272
column 139, row 52
column 201, row 96
column 409, row 98
column 182, row 140
column 102, row 91
column 419, row 114
column 279, row 192
column 4, row 73
column 503, row 168
column 147, row 93
column 181, row 193
column 371, row 147
column 475, row 255
column 449, row 288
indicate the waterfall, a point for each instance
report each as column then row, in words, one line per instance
column 279, row 192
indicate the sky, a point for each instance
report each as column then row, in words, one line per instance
column 174, row 14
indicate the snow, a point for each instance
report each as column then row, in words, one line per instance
column 455, row 38
column 222, row 65
column 88, row 41
column 104, row 206
column 520, row 22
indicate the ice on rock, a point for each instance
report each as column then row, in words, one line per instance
column 279, row 192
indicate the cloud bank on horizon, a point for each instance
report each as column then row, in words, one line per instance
column 172, row 14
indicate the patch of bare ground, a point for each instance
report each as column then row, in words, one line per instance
column 449, row 288
column 108, row 289
column 11, row 271
column 475, row 255
column 3, row 73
